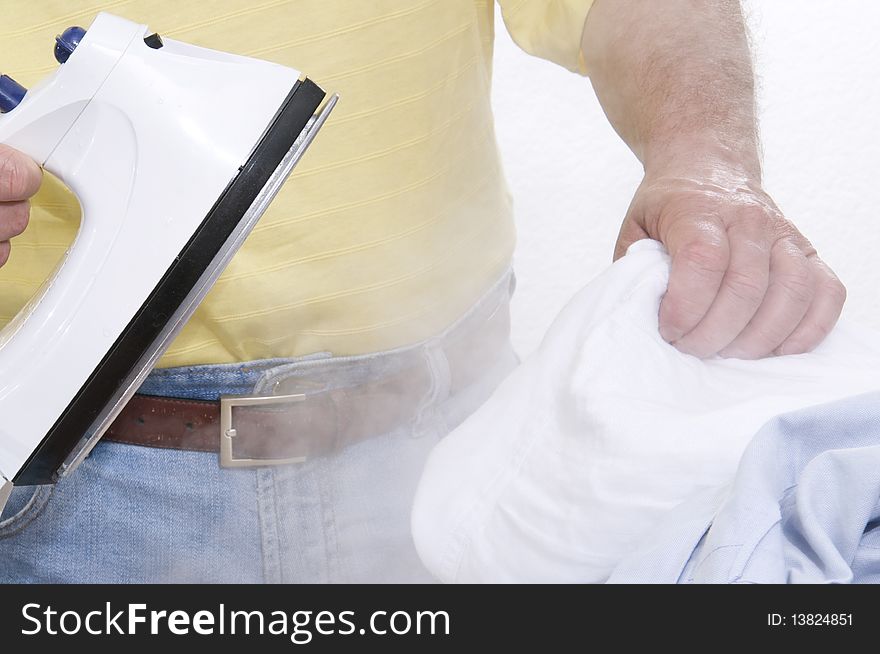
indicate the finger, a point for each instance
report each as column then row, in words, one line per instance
column 786, row 303
column 13, row 218
column 4, row 252
column 828, row 298
column 20, row 177
column 742, row 291
column 700, row 255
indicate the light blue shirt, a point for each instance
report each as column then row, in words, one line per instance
column 804, row 508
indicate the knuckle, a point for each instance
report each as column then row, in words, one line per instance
column 680, row 313
column 15, row 218
column 705, row 257
column 800, row 242
column 747, row 287
column 798, row 285
column 14, row 178
column 787, row 232
column 757, row 214
column 835, row 290
column 828, row 285
column 752, row 222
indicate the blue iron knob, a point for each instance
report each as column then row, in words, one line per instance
column 11, row 93
column 67, row 42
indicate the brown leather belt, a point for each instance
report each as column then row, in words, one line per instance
column 306, row 416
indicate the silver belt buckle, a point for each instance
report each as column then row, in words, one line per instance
column 228, row 432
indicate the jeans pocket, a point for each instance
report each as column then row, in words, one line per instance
column 24, row 505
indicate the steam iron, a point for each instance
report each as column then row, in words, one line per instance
column 174, row 152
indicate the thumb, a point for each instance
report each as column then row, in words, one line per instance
column 20, row 176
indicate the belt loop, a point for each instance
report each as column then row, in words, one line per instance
column 437, row 364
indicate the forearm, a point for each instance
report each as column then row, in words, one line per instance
column 675, row 79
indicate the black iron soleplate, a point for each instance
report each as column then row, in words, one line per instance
column 146, row 326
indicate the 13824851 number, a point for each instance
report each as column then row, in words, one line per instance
column 821, row 619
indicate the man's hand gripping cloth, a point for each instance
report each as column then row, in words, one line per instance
column 581, row 453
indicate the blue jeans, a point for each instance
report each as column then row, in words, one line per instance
column 132, row 514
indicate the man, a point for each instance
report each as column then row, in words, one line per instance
column 377, row 285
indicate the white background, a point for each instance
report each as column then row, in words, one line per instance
column 818, row 64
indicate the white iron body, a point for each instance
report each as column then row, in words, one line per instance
column 148, row 140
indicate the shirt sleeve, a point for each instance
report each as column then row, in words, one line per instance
column 550, row 29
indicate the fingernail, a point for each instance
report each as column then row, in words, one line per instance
column 684, row 349
column 785, row 349
column 737, row 353
column 669, row 334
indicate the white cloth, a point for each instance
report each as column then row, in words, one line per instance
column 606, row 428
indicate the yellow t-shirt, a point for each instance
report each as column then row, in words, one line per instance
column 397, row 219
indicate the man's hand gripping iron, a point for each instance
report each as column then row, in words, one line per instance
column 174, row 152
